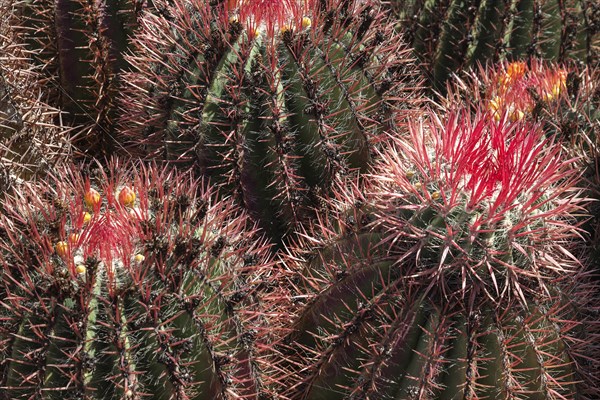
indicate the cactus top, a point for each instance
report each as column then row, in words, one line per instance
column 270, row 16
column 483, row 206
column 270, row 100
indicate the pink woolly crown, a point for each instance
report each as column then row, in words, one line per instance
column 271, row 16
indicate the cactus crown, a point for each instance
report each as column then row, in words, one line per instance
column 447, row 274
column 490, row 204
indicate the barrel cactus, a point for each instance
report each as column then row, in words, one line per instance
column 448, row 275
column 135, row 284
column 449, row 36
column 78, row 47
column 269, row 99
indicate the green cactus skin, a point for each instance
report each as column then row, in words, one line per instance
column 449, row 36
column 179, row 322
column 407, row 347
column 468, row 293
column 79, row 46
column 271, row 113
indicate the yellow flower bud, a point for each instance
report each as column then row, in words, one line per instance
column 73, row 238
column 410, row 174
column 127, row 197
column 517, row 115
column 87, row 217
column 92, row 198
column 139, row 258
column 516, row 70
column 284, row 29
column 62, row 248
column 496, row 106
column 306, row 22
column 435, row 195
column 80, row 269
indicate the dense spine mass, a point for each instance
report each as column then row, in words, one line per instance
column 137, row 285
column 30, row 142
column 404, row 345
column 271, row 100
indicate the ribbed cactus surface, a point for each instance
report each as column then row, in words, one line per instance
column 30, row 142
column 79, row 46
column 137, row 286
column 269, row 99
column 451, row 35
column 447, row 275
column 402, row 346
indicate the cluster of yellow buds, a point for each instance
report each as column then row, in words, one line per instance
column 497, row 107
column 554, row 86
column 306, row 23
column 127, row 197
column 92, row 201
column 272, row 17
column 514, row 72
column 512, row 97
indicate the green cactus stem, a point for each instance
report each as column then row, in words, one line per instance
column 79, row 48
column 269, row 99
column 151, row 293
